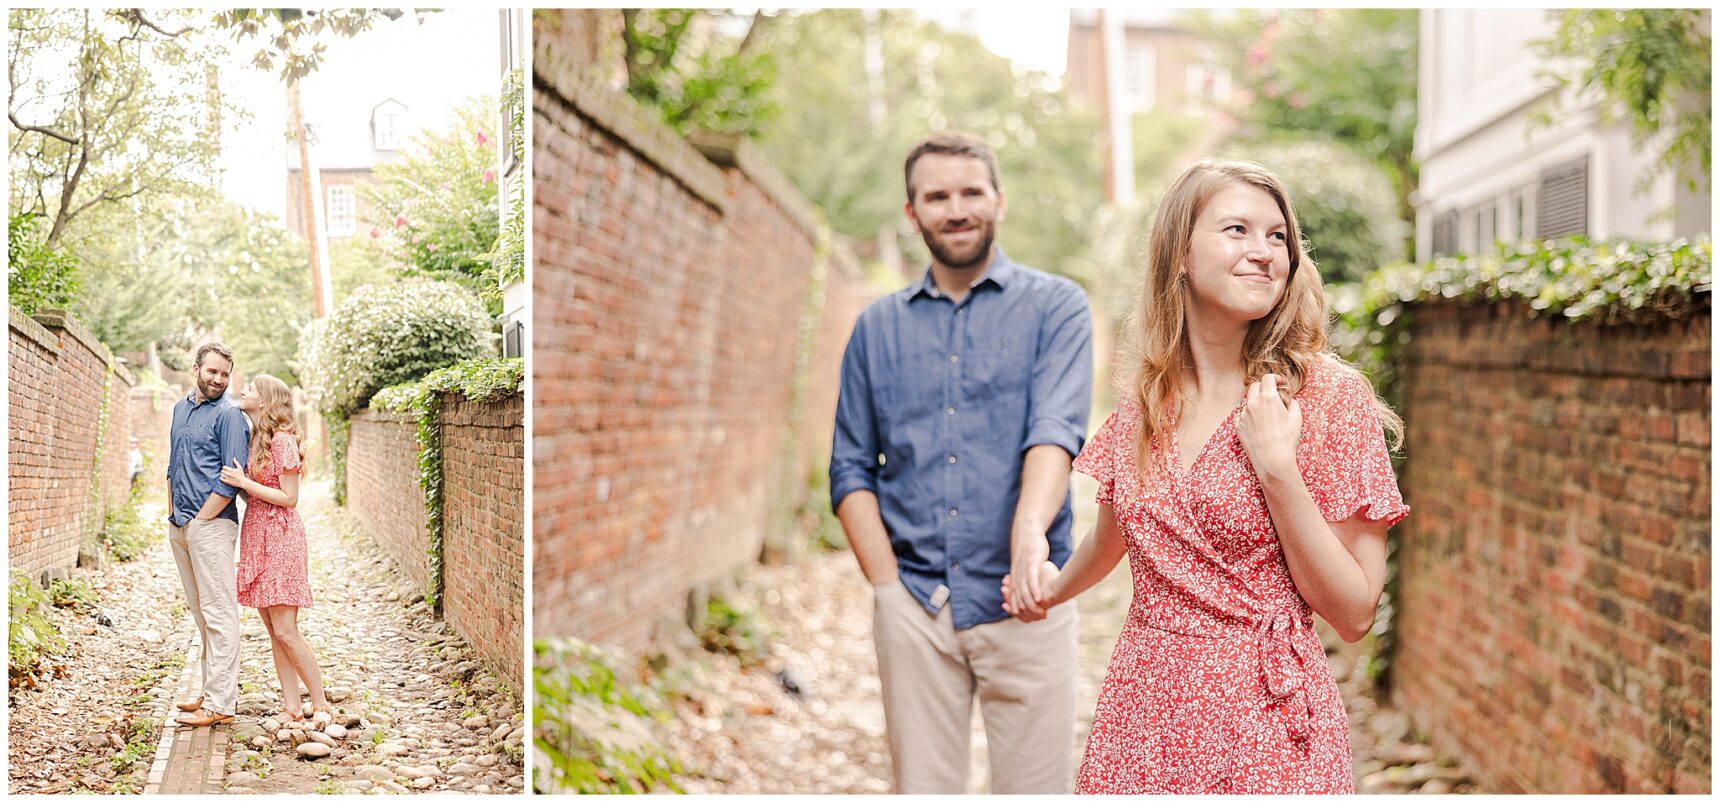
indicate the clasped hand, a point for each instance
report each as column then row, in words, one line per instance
column 234, row 475
column 1269, row 429
column 1030, row 557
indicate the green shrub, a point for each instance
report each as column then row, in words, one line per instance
column 31, row 637
column 125, row 533
column 596, row 730
column 737, row 630
column 74, row 593
column 385, row 335
column 37, row 277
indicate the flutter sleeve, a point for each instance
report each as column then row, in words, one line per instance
column 284, row 453
column 1352, row 469
column 1100, row 457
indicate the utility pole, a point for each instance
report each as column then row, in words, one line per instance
column 310, row 210
column 1119, row 139
column 888, row 251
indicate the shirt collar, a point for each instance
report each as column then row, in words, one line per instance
column 1001, row 272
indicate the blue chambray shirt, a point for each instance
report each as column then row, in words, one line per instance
column 205, row 437
column 939, row 401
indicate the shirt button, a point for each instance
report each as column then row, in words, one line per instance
column 952, row 511
column 955, row 565
column 952, row 458
column 954, row 358
column 949, row 411
column 959, row 310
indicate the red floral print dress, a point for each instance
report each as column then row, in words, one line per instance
column 273, row 565
column 1218, row 682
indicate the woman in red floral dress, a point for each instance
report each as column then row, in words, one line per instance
column 1246, row 475
column 273, row 567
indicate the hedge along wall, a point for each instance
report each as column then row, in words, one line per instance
column 1554, row 606
column 671, row 287
column 483, row 471
column 69, row 404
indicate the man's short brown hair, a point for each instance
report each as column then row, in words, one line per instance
column 951, row 143
column 216, row 346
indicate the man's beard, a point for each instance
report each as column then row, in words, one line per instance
column 941, row 253
column 208, row 390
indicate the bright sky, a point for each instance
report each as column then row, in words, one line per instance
column 1032, row 36
column 430, row 67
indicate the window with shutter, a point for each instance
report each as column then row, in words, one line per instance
column 513, row 343
column 1562, row 199
column 1445, row 234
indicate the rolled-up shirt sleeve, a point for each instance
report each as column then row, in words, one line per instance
column 854, row 446
column 235, row 436
column 1062, row 385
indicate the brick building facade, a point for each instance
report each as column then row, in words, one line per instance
column 1554, row 610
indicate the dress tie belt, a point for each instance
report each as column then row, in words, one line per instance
column 1283, row 665
column 1284, row 659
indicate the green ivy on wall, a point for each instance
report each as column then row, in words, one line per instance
column 1577, row 279
column 480, row 380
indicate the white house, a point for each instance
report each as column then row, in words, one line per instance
column 1488, row 173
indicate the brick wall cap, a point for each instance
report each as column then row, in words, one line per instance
column 23, row 324
column 556, row 71
column 737, row 151
column 63, row 320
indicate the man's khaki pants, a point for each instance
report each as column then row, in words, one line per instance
column 204, row 551
column 1023, row 674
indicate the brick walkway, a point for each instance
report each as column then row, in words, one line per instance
column 188, row 761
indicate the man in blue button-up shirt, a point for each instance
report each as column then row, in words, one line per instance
column 203, row 528
column 964, row 400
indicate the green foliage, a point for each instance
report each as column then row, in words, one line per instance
column 696, row 78
column 737, row 630
column 31, row 636
column 74, row 593
column 595, row 729
column 37, row 277
column 109, row 110
column 1651, row 63
column 1573, row 278
column 1343, row 202
column 1161, row 138
column 849, row 163
column 480, row 380
column 1346, row 74
column 434, row 210
column 339, row 437
column 507, row 259
column 125, row 533
column 282, row 28
column 381, row 336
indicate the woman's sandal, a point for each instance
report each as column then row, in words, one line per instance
column 288, row 716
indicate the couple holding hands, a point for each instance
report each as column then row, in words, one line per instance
column 1245, row 473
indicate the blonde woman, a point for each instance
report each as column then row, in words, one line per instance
column 273, row 568
column 1246, row 475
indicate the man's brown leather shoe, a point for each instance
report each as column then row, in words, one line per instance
column 203, row 718
column 190, row 706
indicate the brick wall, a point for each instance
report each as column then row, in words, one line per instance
column 669, row 287
column 1554, row 614
column 382, row 489
column 152, row 424
column 61, row 378
column 483, row 547
column 483, row 487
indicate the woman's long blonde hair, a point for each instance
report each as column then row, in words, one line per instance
column 274, row 414
column 1157, row 357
